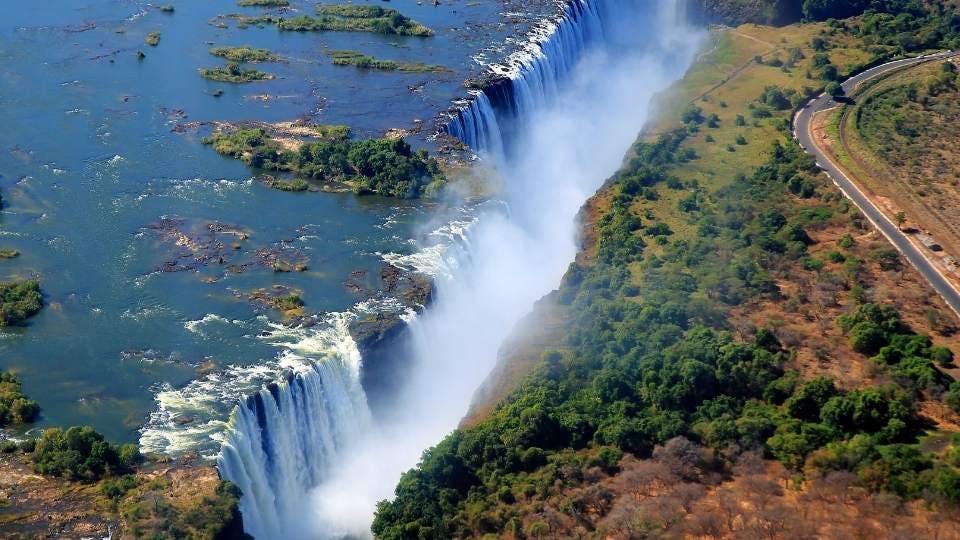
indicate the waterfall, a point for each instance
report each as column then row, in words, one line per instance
column 476, row 125
column 557, row 116
column 530, row 78
column 283, row 440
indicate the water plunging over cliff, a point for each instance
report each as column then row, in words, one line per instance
column 558, row 120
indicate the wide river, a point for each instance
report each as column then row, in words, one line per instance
column 102, row 164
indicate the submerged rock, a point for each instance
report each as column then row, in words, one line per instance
column 195, row 245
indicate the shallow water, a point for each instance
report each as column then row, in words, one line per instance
column 89, row 161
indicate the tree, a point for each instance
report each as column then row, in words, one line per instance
column 805, row 404
column 834, row 89
column 867, row 338
column 952, row 396
column 830, row 73
column 900, row 218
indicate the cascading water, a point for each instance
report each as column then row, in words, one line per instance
column 285, row 438
column 306, row 454
column 531, row 77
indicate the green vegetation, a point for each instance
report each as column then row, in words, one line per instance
column 297, row 184
column 15, row 406
column 357, row 59
column 173, row 502
column 245, row 21
column 243, row 54
column 384, row 166
column 757, row 11
column 649, row 358
column 903, row 122
column 691, row 244
column 151, row 512
column 263, row 3
column 19, row 300
column 152, row 39
column 234, row 73
column 893, row 12
column 895, row 27
column 289, row 302
column 354, row 18
column 80, row 453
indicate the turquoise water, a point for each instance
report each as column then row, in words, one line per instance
column 90, row 161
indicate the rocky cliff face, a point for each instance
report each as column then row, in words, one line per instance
column 382, row 338
column 734, row 12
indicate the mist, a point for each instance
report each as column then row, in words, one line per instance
column 561, row 151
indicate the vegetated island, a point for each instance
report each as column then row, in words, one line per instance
column 19, row 300
column 234, row 73
column 263, row 3
column 90, row 487
column 736, row 351
column 287, row 301
column 360, row 60
column 244, row 53
column 15, row 407
column 351, row 18
column 387, row 167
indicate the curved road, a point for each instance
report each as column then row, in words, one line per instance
column 803, row 132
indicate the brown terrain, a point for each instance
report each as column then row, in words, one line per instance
column 35, row 506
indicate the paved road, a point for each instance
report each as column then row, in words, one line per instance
column 804, row 134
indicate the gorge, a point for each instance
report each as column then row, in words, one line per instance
column 554, row 121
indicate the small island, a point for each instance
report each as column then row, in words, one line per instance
column 243, row 54
column 387, row 167
column 350, row 18
column 15, row 407
column 234, row 73
column 19, row 300
column 360, row 60
column 263, row 3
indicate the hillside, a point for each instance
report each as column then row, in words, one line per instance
column 741, row 355
column 755, row 11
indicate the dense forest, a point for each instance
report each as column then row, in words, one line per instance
column 787, row 11
column 656, row 388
